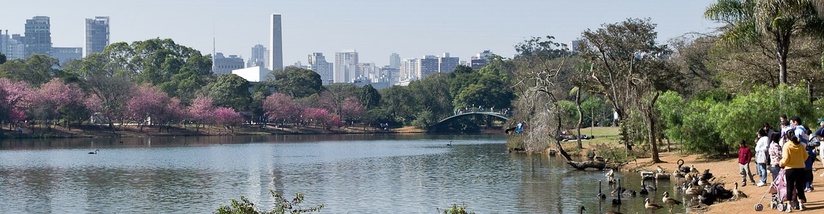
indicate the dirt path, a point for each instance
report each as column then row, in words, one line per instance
column 727, row 171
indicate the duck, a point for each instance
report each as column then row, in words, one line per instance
column 738, row 193
column 601, row 195
column 95, row 152
column 651, row 206
column 670, row 201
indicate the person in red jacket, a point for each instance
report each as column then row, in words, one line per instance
column 744, row 157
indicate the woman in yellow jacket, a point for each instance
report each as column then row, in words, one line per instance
column 793, row 156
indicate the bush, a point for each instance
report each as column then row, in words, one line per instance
column 457, row 210
column 282, row 206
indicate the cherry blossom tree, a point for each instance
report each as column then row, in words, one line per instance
column 13, row 101
column 352, row 109
column 281, row 108
column 227, row 117
column 147, row 103
column 201, row 111
column 54, row 97
column 315, row 115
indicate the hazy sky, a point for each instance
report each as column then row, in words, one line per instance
column 375, row 28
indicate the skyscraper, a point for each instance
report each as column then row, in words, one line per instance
column 258, row 56
column 427, row 65
column 38, row 36
column 479, row 60
column 394, row 60
column 447, row 64
column 97, row 34
column 346, row 66
column 275, row 44
column 318, row 63
column 225, row 65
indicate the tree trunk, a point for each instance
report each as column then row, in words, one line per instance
column 650, row 112
column 580, row 117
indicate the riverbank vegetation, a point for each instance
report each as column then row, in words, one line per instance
column 703, row 92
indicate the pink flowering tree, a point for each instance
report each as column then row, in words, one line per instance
column 52, row 99
column 281, row 108
column 316, row 116
column 227, row 117
column 14, row 100
column 200, row 112
column 352, row 109
column 148, row 103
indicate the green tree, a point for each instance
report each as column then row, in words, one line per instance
column 178, row 70
column 369, row 97
column 230, row 90
column 36, row 69
column 297, row 82
column 395, row 100
column 630, row 69
column 778, row 21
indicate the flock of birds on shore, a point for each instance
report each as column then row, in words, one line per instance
column 699, row 189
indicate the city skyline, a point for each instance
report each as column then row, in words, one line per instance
column 375, row 28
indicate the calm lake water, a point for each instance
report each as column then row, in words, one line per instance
column 346, row 173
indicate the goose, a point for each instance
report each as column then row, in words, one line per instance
column 601, row 195
column 737, row 193
column 449, row 144
column 661, row 170
column 581, row 210
column 693, row 169
column 611, row 177
column 692, row 190
column 650, row 206
column 670, row 201
column 95, row 152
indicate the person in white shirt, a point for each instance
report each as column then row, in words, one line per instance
column 761, row 149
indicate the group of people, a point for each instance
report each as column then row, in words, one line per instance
column 790, row 148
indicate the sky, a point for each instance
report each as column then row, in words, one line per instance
column 375, row 28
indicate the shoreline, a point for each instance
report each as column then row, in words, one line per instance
column 726, row 171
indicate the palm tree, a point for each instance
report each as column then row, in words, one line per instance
column 778, row 21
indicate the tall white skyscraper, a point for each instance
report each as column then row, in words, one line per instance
column 346, row 66
column 318, row 63
column 275, row 44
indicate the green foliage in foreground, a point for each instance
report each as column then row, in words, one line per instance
column 282, row 206
column 457, row 210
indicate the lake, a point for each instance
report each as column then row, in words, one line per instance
column 381, row 173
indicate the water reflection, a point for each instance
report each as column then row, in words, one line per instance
column 347, row 173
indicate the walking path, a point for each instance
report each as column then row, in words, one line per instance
column 727, row 171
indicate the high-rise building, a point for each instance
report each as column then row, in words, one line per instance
column 367, row 71
column 479, row 60
column 346, row 66
column 427, row 65
column 447, row 64
column 97, row 34
column 389, row 74
column 12, row 46
column 394, row 60
column 65, row 54
column 318, row 63
column 38, row 36
column 225, row 65
column 258, row 56
column 574, row 45
column 275, row 44
column 409, row 70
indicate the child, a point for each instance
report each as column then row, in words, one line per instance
column 744, row 157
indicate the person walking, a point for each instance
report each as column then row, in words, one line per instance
column 744, row 158
column 761, row 151
column 793, row 155
column 808, row 169
column 818, row 137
